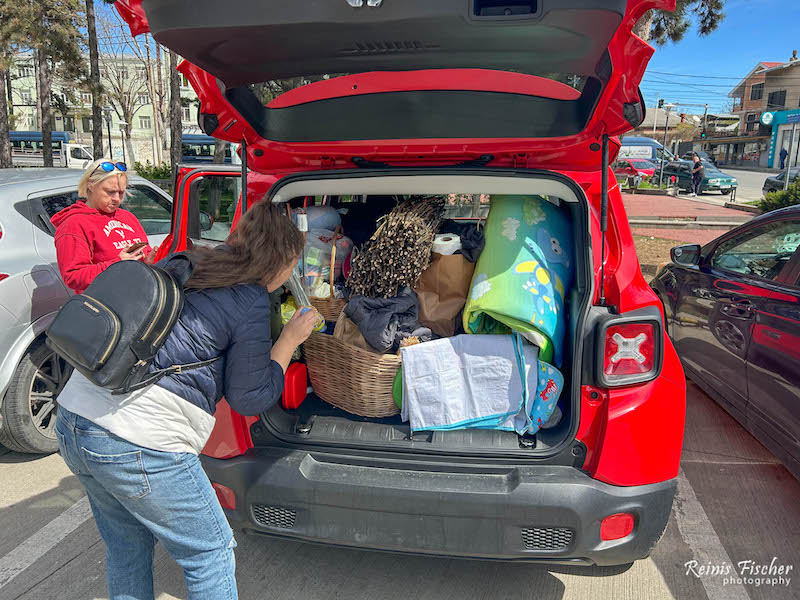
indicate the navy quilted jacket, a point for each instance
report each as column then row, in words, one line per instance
column 233, row 323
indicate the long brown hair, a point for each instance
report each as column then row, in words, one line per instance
column 264, row 243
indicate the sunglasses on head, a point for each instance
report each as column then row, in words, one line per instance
column 109, row 166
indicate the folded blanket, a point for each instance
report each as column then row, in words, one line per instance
column 524, row 273
column 475, row 382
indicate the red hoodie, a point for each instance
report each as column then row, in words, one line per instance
column 89, row 240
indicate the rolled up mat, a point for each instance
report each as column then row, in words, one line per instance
column 446, row 244
column 523, row 274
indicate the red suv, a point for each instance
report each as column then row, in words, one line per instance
column 454, row 96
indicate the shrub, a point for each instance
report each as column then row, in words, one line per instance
column 780, row 199
column 150, row 171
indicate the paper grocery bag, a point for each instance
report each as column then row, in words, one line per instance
column 348, row 332
column 442, row 292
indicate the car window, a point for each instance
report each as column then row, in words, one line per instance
column 53, row 204
column 218, row 196
column 762, row 251
column 152, row 210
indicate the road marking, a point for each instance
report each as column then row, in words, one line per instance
column 698, row 533
column 44, row 540
column 728, row 462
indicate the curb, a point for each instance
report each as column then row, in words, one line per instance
column 744, row 208
column 645, row 192
column 677, row 224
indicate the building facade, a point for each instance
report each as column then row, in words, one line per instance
column 124, row 76
column 784, row 123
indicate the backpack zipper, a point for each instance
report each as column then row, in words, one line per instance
column 114, row 321
column 171, row 317
column 161, row 301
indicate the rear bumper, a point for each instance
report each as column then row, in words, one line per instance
column 539, row 513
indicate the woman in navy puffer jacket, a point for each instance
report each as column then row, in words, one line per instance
column 137, row 454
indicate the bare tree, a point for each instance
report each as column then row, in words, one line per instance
column 158, row 120
column 175, row 128
column 162, row 97
column 5, row 144
column 95, row 87
column 126, row 88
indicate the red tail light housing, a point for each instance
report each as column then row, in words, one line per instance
column 3, row 276
column 631, row 348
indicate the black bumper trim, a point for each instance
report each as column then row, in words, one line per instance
column 457, row 512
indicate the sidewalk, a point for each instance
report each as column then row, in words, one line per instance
column 679, row 216
column 652, row 207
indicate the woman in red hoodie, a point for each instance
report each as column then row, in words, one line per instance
column 95, row 232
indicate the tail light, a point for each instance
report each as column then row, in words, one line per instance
column 632, row 348
column 3, row 276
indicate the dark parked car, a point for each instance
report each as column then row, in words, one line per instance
column 704, row 156
column 732, row 309
column 774, row 184
column 714, row 180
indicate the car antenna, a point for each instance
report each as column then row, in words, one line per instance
column 603, row 219
column 244, row 175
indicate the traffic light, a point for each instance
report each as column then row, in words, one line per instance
column 703, row 134
column 661, row 103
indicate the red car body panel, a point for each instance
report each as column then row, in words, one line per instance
column 628, row 53
column 633, row 435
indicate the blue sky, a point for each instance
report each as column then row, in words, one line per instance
column 753, row 31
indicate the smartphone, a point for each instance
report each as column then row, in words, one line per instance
column 134, row 247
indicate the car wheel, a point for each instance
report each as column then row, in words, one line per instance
column 29, row 407
column 725, row 192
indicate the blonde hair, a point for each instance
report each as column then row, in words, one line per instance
column 94, row 175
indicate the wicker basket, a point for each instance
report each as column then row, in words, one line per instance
column 355, row 380
column 330, row 308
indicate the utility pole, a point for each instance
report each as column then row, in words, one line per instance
column 666, row 128
column 655, row 114
column 789, row 158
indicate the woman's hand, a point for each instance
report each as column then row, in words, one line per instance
column 151, row 258
column 299, row 327
column 127, row 254
column 294, row 333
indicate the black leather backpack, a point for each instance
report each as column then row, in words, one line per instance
column 112, row 332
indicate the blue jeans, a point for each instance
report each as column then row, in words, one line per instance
column 140, row 496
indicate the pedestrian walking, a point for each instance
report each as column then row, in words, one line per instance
column 783, row 155
column 698, row 174
column 136, row 454
column 95, row 232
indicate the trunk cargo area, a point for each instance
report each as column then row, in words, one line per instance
column 468, row 195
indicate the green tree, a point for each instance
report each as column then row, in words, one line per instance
column 52, row 29
column 661, row 26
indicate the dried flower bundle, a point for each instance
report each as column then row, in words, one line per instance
column 399, row 251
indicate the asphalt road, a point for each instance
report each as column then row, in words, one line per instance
column 750, row 183
column 735, row 503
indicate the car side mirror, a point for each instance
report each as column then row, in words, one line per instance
column 687, row 256
column 206, row 221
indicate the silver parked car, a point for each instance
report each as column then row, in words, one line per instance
column 31, row 292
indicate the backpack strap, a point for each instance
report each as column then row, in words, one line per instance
column 157, row 375
column 180, row 266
